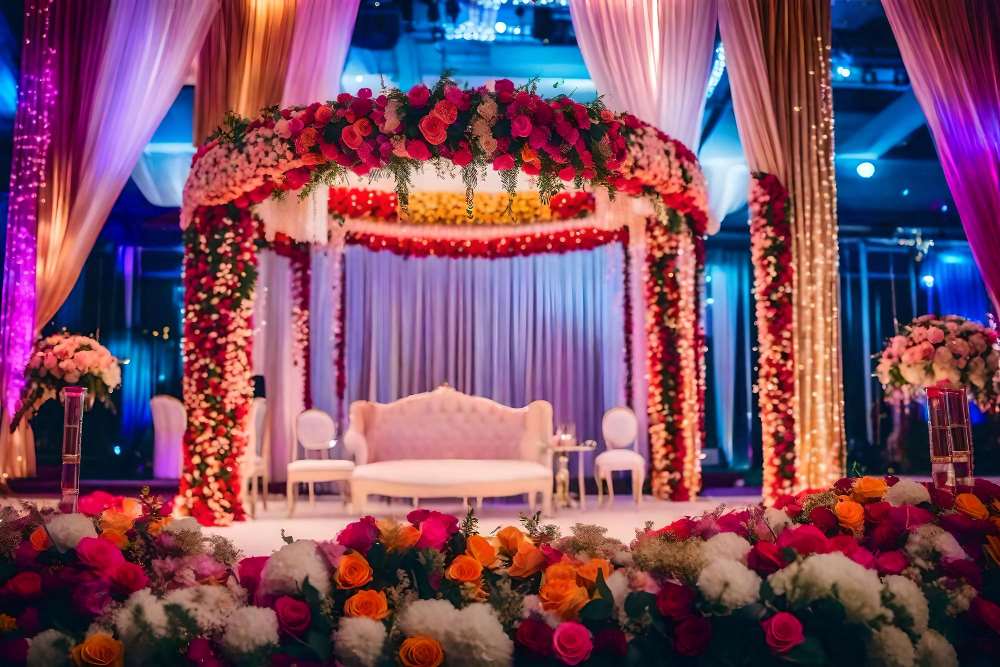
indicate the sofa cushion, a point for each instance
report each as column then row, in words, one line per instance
column 435, row 473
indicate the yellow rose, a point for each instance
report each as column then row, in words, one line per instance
column 869, row 489
column 353, row 571
column 510, row 539
column 528, row 560
column 564, row 597
column 851, row 515
column 99, row 650
column 971, row 506
column 369, row 604
column 421, row 651
column 480, row 548
column 464, row 569
column 587, row 572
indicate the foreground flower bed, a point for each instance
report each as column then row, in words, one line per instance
column 873, row 571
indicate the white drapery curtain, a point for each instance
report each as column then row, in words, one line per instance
column 546, row 326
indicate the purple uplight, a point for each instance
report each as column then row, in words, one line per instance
column 32, row 135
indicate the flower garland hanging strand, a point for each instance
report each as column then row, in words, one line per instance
column 771, row 250
column 300, row 257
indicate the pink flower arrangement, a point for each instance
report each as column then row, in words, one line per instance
column 941, row 351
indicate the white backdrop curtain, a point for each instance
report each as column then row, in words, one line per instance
column 518, row 329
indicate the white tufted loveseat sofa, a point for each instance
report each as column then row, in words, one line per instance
column 446, row 444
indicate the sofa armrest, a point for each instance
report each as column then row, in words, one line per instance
column 357, row 445
column 355, row 439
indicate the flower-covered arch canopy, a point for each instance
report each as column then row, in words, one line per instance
column 557, row 142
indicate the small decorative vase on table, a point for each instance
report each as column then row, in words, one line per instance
column 950, row 437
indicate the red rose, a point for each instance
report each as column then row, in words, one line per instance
column 885, row 536
column 844, row 485
column 99, row 554
column 891, row 562
column 611, row 640
column 567, row 173
column 294, row 616
column 128, row 578
column 692, row 635
column 446, row 111
column 463, row 156
column 92, row 596
column 322, row 115
column 909, row 516
column 417, row 149
column 521, row 126
column 434, row 129
column 503, row 162
column 863, row 557
column 986, row 613
column 765, row 558
column 824, row 519
column 25, row 585
column 28, row 622
column 877, row 512
column 418, row 95
column 675, row 601
column 782, row 632
column 359, row 535
column 248, row 572
column 804, row 540
column 535, row 635
column 942, row 498
column 351, row 137
column 963, row 568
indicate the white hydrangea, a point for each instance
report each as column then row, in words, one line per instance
column 470, row 637
column 907, row 492
column 836, row 576
column 890, row 647
column 908, row 604
column 49, row 649
column 288, row 567
column 185, row 524
column 729, row 583
column 141, row 614
column 66, row 530
column 250, row 629
column 725, row 546
column 618, row 584
column 933, row 650
column 358, row 642
column 928, row 543
column 777, row 519
column 209, row 606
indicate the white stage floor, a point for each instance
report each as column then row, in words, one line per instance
column 261, row 536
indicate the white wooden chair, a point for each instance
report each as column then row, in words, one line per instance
column 169, row 422
column 316, row 432
column 620, row 428
column 256, row 465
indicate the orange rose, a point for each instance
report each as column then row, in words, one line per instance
column 464, row 569
column 510, row 539
column 421, row 651
column 588, row 571
column 869, row 488
column 7, row 623
column 528, row 560
column 850, row 514
column 971, row 506
column 480, row 548
column 132, row 507
column 367, row 603
column 434, row 129
column 992, row 548
column 156, row 527
column 39, row 539
column 115, row 520
column 396, row 536
column 116, row 538
column 563, row 570
column 353, row 571
column 564, row 597
column 99, row 650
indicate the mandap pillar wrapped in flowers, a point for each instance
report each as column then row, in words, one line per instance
column 560, row 144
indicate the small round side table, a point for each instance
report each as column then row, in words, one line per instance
column 562, row 448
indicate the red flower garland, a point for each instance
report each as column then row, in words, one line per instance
column 220, row 270
column 771, row 249
column 508, row 246
column 300, row 256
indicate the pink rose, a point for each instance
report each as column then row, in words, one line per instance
column 535, row 635
column 863, row 557
column 99, row 554
column 417, row 149
column 294, row 615
column 248, row 572
column 94, row 503
column 909, row 516
column 521, row 126
column 418, row 95
column 360, row 535
column 782, row 632
column 804, row 540
column 128, row 578
column 435, row 530
column 567, row 173
column 935, row 335
column 572, row 643
column 503, row 162
column 891, row 562
column 92, row 596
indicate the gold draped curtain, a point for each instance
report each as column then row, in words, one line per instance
column 778, row 52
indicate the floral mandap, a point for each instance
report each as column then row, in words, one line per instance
column 872, row 571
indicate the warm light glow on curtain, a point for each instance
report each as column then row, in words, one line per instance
column 779, row 54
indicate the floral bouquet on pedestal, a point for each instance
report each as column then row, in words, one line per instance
column 948, row 351
column 63, row 360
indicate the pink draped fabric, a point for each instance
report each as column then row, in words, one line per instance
column 320, row 43
column 650, row 57
column 952, row 54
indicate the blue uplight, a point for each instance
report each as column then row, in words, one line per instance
column 844, row 72
column 928, row 280
column 117, row 450
column 866, row 169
